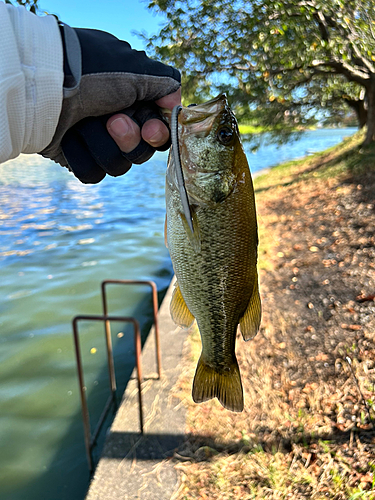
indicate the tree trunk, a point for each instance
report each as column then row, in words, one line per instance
column 361, row 112
column 370, row 135
column 358, row 106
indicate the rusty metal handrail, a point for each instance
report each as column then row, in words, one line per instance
column 155, row 313
column 90, row 440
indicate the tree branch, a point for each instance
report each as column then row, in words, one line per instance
column 367, row 63
column 352, row 74
column 322, row 25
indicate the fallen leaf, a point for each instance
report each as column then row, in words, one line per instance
column 321, row 357
column 310, row 387
column 365, row 298
column 367, row 478
column 351, row 327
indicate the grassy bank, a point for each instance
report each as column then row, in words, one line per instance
column 307, row 430
column 250, row 129
column 246, row 129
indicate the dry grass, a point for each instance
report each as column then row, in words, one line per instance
column 307, row 429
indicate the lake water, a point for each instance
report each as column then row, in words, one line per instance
column 311, row 141
column 58, row 240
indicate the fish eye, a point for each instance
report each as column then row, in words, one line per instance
column 225, row 135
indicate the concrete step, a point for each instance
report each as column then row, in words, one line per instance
column 135, row 466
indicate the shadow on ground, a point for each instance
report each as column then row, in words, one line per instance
column 200, row 448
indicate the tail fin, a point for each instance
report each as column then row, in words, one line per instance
column 226, row 386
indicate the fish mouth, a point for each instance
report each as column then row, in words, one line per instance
column 199, row 119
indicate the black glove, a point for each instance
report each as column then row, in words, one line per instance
column 105, row 76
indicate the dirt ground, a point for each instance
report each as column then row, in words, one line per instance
column 307, row 430
column 319, row 295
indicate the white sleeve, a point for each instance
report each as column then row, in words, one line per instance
column 31, row 81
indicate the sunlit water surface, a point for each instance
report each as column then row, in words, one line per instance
column 58, row 240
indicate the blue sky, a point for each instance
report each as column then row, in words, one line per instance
column 119, row 17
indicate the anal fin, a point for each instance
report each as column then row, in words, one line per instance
column 250, row 321
column 179, row 310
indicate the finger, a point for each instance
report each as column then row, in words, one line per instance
column 171, row 100
column 155, row 133
column 124, row 131
column 127, row 135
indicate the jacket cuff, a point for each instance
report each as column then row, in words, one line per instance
column 31, row 80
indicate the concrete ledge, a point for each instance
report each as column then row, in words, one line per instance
column 139, row 467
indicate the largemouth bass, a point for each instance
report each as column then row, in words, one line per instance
column 216, row 263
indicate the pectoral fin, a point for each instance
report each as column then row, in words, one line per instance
column 179, row 310
column 250, row 321
column 195, row 237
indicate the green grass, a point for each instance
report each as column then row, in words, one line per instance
column 247, row 129
column 346, row 157
column 250, row 129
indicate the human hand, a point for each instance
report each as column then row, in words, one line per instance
column 111, row 114
column 127, row 134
